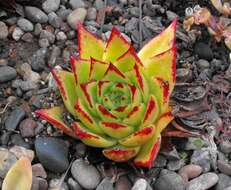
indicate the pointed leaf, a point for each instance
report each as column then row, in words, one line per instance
column 54, row 117
column 116, row 129
column 19, row 177
column 164, row 120
column 67, row 85
column 161, row 43
column 105, row 114
column 89, row 45
column 116, row 46
column 138, row 138
column 97, row 69
column 90, row 138
column 120, row 153
column 148, row 152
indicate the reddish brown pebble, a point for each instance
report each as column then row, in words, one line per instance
column 27, row 127
column 190, row 171
column 39, row 171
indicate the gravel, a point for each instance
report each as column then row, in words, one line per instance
column 36, row 15
column 3, row 30
column 7, row 74
column 78, row 15
column 50, row 5
column 25, row 25
column 17, row 34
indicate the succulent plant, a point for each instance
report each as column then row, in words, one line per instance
column 120, row 99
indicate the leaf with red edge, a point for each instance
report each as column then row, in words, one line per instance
column 19, row 177
column 121, row 153
column 90, row 138
column 67, row 85
column 148, row 152
column 97, row 69
column 116, row 46
column 54, row 117
column 161, row 43
column 89, row 45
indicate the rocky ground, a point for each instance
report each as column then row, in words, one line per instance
column 42, row 33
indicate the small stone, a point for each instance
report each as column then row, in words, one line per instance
column 7, row 74
column 27, row 37
column 140, row 184
column 52, row 153
column 203, row 51
column 20, row 151
column 73, row 185
column 225, row 146
column 27, row 127
column 91, row 13
column 99, row 4
column 223, row 182
column 3, row 30
column 190, row 171
column 203, row 182
column 171, row 15
column 134, row 11
column 16, row 139
column 105, row 184
column 55, row 184
column 171, row 155
column 38, row 59
column 202, row 158
column 17, row 33
column 123, row 183
column 183, row 75
column 202, row 64
column 80, row 149
column 54, row 20
column 7, row 159
column 77, row 4
column 34, row 14
column 16, row 116
column 63, row 12
column 175, row 165
column 224, row 167
column 78, row 15
column 55, row 53
column 160, row 161
column 194, row 143
column 169, row 179
column 85, row 174
column 61, row 36
column 35, row 183
column 24, row 85
column 25, row 25
column 44, row 43
column 37, row 29
column 47, row 35
column 43, row 185
column 39, row 171
column 50, row 5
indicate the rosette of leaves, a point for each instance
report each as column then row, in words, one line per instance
column 120, row 99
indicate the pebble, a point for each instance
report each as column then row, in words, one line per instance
column 225, row 146
column 3, row 30
column 223, row 182
column 99, row 4
column 78, row 15
column 183, row 75
column 25, row 25
column 63, row 12
column 16, row 139
column 77, row 4
column 24, row 85
column 202, row 158
column 202, row 64
column 140, row 184
column 7, row 73
column 50, row 5
column 47, row 35
column 54, row 20
column 85, row 174
column 34, row 14
column 27, row 128
column 105, row 184
column 227, row 188
column 73, row 185
column 169, row 179
column 35, row 183
column 15, row 117
column 39, row 171
column 55, row 184
column 38, row 59
column 43, row 185
column 171, row 15
column 7, row 159
column 17, row 33
column 203, row 182
column 20, row 151
column 224, row 167
column 203, row 51
column 52, row 153
column 160, row 161
column 43, row 43
column 190, row 171
column 175, row 165
column 27, row 37
column 55, row 53
column 37, row 29
column 61, row 36
column 194, row 143
column 91, row 13
column 123, row 183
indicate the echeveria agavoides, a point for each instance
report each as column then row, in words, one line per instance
column 120, row 98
